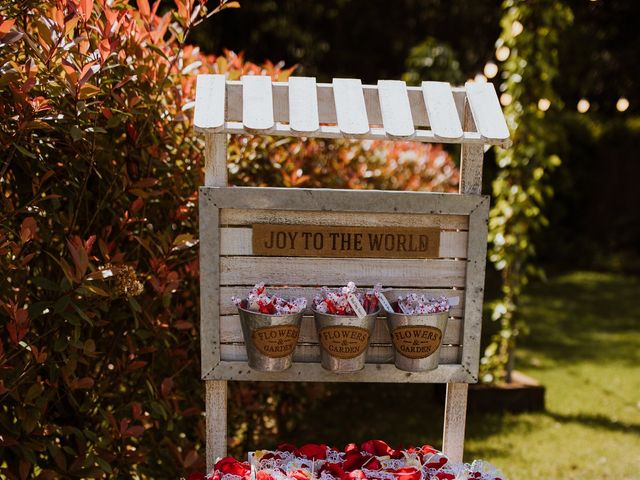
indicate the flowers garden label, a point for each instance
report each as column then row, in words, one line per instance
column 276, row 341
column 416, row 341
column 343, row 242
column 344, row 342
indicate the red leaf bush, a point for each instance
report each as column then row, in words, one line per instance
column 99, row 349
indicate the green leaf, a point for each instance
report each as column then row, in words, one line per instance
column 76, row 133
column 25, row 152
column 104, row 465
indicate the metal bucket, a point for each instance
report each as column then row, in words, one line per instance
column 344, row 340
column 270, row 339
column 417, row 339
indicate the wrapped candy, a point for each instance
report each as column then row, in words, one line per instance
column 414, row 304
column 372, row 460
column 337, row 301
column 259, row 301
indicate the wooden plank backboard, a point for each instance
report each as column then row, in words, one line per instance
column 227, row 215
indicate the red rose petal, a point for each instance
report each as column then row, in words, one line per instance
column 314, row 451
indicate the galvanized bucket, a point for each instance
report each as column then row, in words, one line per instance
column 270, row 339
column 344, row 340
column 417, row 339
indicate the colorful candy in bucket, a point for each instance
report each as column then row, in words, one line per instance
column 270, row 327
column 345, row 319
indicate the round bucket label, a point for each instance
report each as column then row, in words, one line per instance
column 416, row 341
column 276, row 341
column 344, row 342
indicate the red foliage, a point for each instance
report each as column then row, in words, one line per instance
column 99, row 369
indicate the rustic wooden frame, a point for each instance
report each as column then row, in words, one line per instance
column 212, row 199
column 303, row 108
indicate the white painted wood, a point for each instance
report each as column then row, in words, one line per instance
column 230, row 331
column 328, row 118
column 441, row 107
column 216, row 426
column 395, row 107
column 245, row 216
column 341, row 200
column 375, row 133
column 486, row 111
column 257, row 102
column 474, row 285
column 471, row 183
column 471, row 160
column 351, row 110
column 313, row 372
column 209, row 287
column 237, row 241
column 210, row 99
column 237, row 352
column 227, row 307
column 455, row 416
column 303, row 105
column 215, row 159
column 326, row 103
column 310, row 271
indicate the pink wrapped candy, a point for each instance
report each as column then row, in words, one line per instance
column 259, row 301
column 414, row 304
column 336, row 301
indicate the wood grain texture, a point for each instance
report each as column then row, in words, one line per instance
column 313, row 372
column 474, row 287
column 486, row 110
column 455, row 416
column 237, row 241
column 326, row 103
column 280, row 240
column 395, row 108
column 351, row 111
column 441, row 107
column 374, row 133
column 471, row 160
column 227, row 307
column 237, row 352
column 215, row 160
column 245, row 216
column 216, row 426
column 303, row 105
column 327, row 115
column 230, row 331
column 257, row 106
column 339, row 200
column 311, row 271
column 210, row 99
column 209, row 287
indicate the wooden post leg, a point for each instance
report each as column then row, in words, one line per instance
column 455, row 416
column 216, row 403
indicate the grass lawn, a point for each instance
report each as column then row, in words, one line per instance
column 584, row 346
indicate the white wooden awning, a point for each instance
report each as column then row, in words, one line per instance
column 390, row 110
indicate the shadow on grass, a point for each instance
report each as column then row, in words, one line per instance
column 584, row 316
column 578, row 317
column 596, row 421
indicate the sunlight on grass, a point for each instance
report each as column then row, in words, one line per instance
column 584, row 346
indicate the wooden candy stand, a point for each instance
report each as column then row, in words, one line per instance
column 297, row 240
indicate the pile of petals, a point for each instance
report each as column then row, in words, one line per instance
column 414, row 304
column 259, row 301
column 373, row 460
column 336, row 301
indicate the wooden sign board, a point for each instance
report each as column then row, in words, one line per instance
column 345, row 242
column 435, row 245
